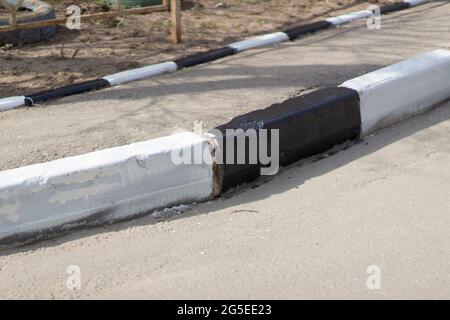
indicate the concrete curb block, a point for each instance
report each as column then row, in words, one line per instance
column 140, row 73
column 346, row 18
column 318, row 121
column 402, row 90
column 202, row 57
column 415, row 3
column 394, row 7
column 65, row 91
column 260, row 41
column 295, row 32
column 307, row 124
column 104, row 186
column 11, row 103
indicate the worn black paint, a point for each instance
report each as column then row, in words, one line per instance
column 394, row 7
column 298, row 31
column 203, row 57
column 64, row 91
column 308, row 125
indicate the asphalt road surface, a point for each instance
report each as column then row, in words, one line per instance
column 311, row 232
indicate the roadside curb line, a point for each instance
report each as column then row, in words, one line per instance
column 198, row 58
column 127, row 181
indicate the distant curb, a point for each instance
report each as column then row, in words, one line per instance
column 198, row 58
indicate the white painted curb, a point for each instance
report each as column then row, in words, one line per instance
column 414, row 3
column 259, row 41
column 11, row 103
column 346, row 18
column 102, row 186
column 141, row 73
column 402, row 90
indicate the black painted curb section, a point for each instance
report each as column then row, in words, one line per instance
column 64, row 91
column 308, row 125
column 394, row 7
column 203, row 57
column 298, row 31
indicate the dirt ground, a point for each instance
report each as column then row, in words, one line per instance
column 114, row 45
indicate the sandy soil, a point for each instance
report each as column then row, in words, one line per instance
column 110, row 46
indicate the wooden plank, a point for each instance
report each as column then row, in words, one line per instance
column 84, row 18
column 175, row 12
